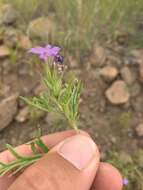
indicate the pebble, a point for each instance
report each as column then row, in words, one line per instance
column 23, row 114
column 135, row 89
column 24, row 42
column 109, row 73
column 118, row 93
column 99, row 56
column 4, row 51
column 8, row 15
column 127, row 75
column 8, row 110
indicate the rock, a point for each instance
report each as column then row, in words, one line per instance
column 4, row 51
column 113, row 60
column 122, row 38
column 8, row 15
column 137, row 56
column 41, row 28
column 8, row 109
column 23, row 114
column 129, row 61
column 139, row 130
column 99, row 56
column 127, row 75
column 118, row 93
column 135, row 89
column 24, row 42
column 113, row 139
column 14, row 38
column 11, row 37
column 109, row 73
column 137, row 104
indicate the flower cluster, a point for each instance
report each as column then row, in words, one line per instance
column 48, row 51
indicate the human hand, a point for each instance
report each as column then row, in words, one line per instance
column 72, row 164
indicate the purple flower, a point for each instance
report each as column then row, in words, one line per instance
column 59, row 58
column 125, row 181
column 52, row 50
column 45, row 52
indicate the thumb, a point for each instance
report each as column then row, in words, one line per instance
column 72, row 164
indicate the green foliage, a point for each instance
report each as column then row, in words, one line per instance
column 76, row 23
column 59, row 97
column 21, row 162
column 25, row 7
column 79, row 23
column 132, row 170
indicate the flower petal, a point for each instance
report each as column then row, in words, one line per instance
column 125, row 181
column 37, row 50
column 52, row 50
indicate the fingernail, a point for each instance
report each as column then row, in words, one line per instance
column 78, row 150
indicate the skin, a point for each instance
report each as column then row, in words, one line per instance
column 53, row 172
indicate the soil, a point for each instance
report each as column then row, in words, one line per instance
column 110, row 126
column 114, row 124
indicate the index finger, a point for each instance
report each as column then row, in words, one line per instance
column 25, row 150
column 50, row 140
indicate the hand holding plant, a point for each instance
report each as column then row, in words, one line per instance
column 76, row 149
column 60, row 97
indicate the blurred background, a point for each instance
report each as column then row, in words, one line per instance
column 102, row 41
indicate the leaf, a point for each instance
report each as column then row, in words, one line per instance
column 33, row 147
column 41, row 145
column 59, row 97
column 18, row 164
column 13, row 152
column 2, row 164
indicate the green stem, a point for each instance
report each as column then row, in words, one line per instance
column 72, row 123
column 74, row 126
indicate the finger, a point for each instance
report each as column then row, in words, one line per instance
column 72, row 164
column 25, row 150
column 107, row 178
column 49, row 140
